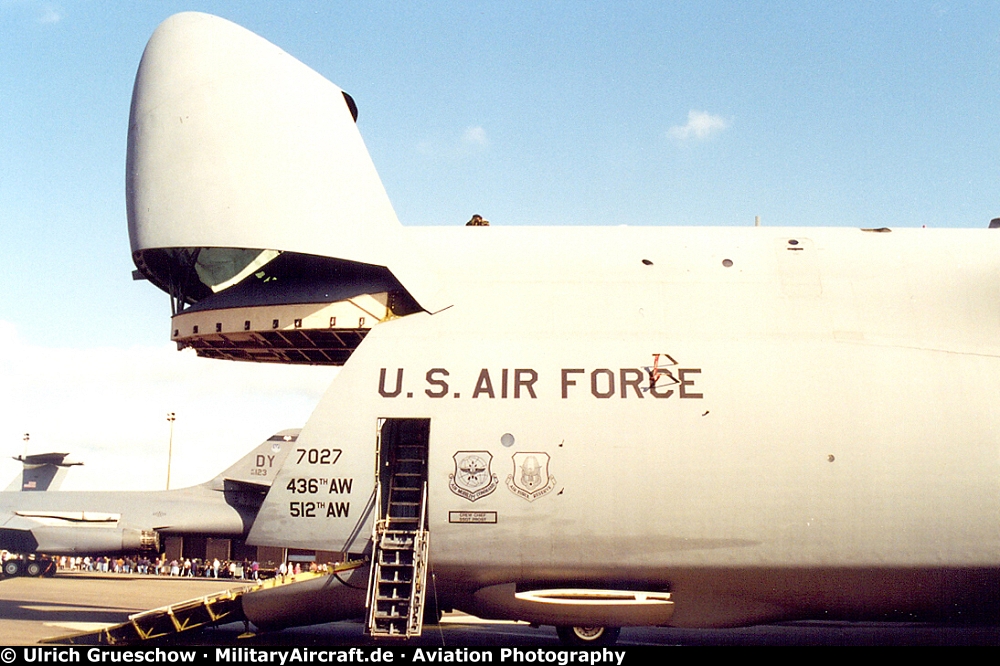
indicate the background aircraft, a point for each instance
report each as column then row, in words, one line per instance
column 821, row 443
column 94, row 522
column 41, row 472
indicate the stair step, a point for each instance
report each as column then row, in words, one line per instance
column 398, row 555
column 397, row 577
column 397, row 564
column 394, row 615
column 393, row 602
column 399, row 569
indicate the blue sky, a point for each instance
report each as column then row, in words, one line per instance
column 659, row 113
column 860, row 114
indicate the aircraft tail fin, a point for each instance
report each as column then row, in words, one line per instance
column 40, row 472
column 260, row 466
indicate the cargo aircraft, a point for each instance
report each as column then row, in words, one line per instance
column 110, row 522
column 582, row 427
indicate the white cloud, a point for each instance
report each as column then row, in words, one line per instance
column 426, row 148
column 700, row 125
column 475, row 136
column 473, row 140
column 107, row 407
column 50, row 14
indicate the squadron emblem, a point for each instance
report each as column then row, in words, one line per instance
column 531, row 478
column 473, row 478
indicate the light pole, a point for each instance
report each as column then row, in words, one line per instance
column 171, row 417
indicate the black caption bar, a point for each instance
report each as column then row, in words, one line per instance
column 555, row 656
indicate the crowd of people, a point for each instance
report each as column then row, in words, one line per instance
column 184, row 567
column 127, row 564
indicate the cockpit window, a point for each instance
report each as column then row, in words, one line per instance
column 218, row 277
column 219, row 267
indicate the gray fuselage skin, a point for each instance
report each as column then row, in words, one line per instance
column 830, row 449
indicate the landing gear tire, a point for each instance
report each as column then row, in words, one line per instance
column 11, row 568
column 588, row 636
column 34, row 568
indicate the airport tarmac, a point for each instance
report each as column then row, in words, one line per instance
column 33, row 609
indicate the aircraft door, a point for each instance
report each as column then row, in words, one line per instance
column 400, row 538
column 402, row 471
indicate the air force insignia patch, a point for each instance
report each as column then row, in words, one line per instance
column 531, row 478
column 473, row 478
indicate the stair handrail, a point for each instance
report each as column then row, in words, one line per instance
column 414, row 622
column 378, row 526
column 422, row 525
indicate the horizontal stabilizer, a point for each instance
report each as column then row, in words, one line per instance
column 58, row 459
column 40, row 472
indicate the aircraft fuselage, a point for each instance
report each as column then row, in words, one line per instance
column 819, row 441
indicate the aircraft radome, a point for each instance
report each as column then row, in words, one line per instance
column 583, row 427
column 108, row 522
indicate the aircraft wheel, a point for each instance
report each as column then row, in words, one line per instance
column 588, row 636
column 34, row 568
column 12, row 568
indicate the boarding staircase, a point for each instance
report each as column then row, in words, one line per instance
column 397, row 587
column 208, row 611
